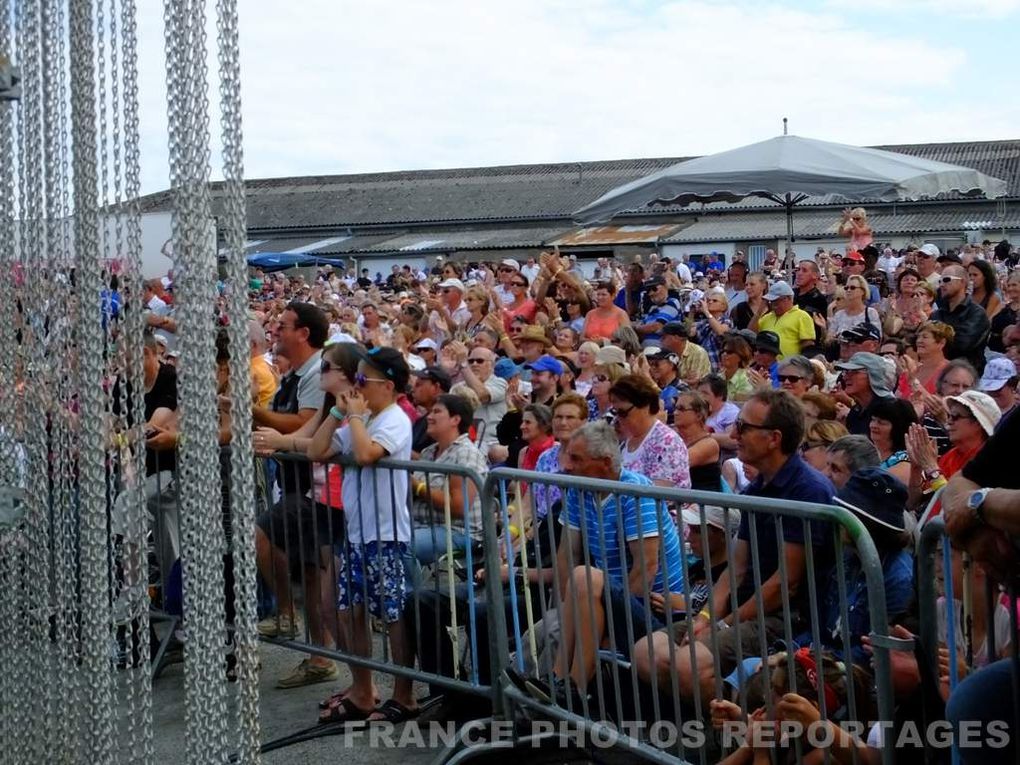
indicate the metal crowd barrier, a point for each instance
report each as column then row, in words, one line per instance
column 446, row 604
column 624, row 707
column 938, row 562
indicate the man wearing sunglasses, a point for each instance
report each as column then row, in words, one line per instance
column 768, row 432
column 968, row 320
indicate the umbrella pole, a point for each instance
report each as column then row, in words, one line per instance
column 789, row 259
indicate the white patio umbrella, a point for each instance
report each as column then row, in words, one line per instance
column 789, row 169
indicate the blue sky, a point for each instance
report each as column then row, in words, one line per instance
column 336, row 86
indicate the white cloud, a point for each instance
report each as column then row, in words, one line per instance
column 334, row 87
column 970, row 9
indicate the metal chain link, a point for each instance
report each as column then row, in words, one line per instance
column 95, row 619
column 202, row 539
column 242, row 490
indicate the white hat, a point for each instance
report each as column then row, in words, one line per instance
column 930, row 250
column 427, row 342
column 981, row 406
column 511, row 263
column 998, row 372
column 457, row 284
column 728, row 521
column 611, row 354
column 779, row 290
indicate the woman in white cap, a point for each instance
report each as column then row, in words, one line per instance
column 607, row 370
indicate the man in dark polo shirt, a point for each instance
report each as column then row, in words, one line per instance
column 768, row 433
column 867, row 377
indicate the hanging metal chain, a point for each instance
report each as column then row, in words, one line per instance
column 95, row 619
column 242, row 488
column 202, row 539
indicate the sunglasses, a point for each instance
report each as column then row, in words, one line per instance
column 476, row 361
column 742, row 427
column 809, row 445
column 957, row 416
column 621, row 413
column 789, row 378
column 518, row 284
column 362, row 380
column 948, row 279
column 325, row 367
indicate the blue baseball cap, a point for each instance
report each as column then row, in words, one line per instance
column 743, row 672
column 545, row 363
column 506, row 369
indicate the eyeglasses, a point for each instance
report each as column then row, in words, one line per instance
column 681, row 408
column 809, row 445
column 854, row 287
column 325, row 367
column 447, row 289
column 948, row 279
column 600, row 378
column 518, row 284
column 789, row 378
column 361, row 380
column 476, row 361
column 742, row 427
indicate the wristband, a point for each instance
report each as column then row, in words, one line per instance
column 514, row 531
column 704, row 612
column 336, row 413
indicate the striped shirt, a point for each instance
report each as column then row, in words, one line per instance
column 637, row 518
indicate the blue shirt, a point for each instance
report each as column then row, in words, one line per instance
column 665, row 313
column 637, row 518
column 898, row 576
column 799, row 482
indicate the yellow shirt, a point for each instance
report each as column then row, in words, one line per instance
column 793, row 327
column 263, row 381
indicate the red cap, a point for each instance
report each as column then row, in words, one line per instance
column 854, row 255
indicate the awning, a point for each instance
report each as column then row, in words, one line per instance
column 632, row 234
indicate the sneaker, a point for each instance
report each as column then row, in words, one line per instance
column 307, row 673
column 281, row 626
column 561, row 692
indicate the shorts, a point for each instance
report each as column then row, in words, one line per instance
column 302, row 528
column 373, row 573
column 643, row 620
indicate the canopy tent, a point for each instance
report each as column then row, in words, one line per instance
column 789, row 169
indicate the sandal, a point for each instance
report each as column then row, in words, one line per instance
column 394, row 712
column 337, row 697
column 344, row 711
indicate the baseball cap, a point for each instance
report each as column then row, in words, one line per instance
column 779, row 290
column 949, row 257
column 390, row 362
column 437, row 375
column 876, row 496
column 875, row 366
column 982, row 406
column 511, row 263
column 767, row 341
column 929, row 250
column 427, row 342
column 655, row 281
column 457, row 284
column 714, row 516
column 744, row 671
column 662, row 354
column 854, row 255
column 545, row 363
column 861, row 333
column 998, row 372
column 506, row 369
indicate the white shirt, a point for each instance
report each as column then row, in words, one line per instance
column 531, row 272
column 375, row 502
column 505, row 295
column 492, row 412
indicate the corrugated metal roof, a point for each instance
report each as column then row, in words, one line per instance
column 518, row 192
column 821, row 224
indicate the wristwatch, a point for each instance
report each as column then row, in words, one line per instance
column 975, row 501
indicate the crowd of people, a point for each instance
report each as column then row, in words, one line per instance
column 872, row 379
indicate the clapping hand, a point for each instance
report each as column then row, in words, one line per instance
column 921, row 448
